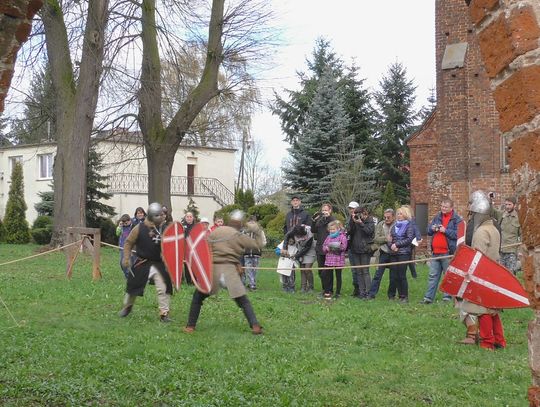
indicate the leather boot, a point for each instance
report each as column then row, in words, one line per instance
column 472, row 336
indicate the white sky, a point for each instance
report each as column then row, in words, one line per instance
column 373, row 33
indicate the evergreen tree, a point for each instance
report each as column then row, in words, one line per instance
column 389, row 197
column 45, row 207
column 314, row 154
column 4, row 140
column 95, row 184
column 15, row 224
column 293, row 111
column 38, row 122
column 245, row 199
column 396, row 119
column 2, row 232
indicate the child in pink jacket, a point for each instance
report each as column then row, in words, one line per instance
column 334, row 247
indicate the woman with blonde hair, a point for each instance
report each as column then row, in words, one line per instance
column 400, row 244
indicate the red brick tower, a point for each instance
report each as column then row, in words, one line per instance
column 458, row 149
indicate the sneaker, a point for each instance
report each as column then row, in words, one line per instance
column 188, row 329
column 336, row 296
column 125, row 311
column 256, row 330
column 426, row 301
column 404, row 300
column 446, row 299
column 165, row 318
column 327, row 296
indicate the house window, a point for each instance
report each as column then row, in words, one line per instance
column 45, row 166
column 12, row 161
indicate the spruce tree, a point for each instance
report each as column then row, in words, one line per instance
column 15, row 225
column 45, row 207
column 95, row 186
column 396, row 117
column 293, row 110
column 314, row 155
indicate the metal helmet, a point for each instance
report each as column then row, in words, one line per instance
column 479, row 202
column 237, row 215
column 154, row 212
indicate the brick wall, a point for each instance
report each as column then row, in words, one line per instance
column 509, row 43
column 459, row 149
column 15, row 26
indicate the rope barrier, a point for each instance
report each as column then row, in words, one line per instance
column 41, row 254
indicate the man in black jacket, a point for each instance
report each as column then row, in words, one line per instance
column 361, row 231
column 296, row 216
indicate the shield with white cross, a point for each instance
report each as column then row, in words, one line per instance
column 475, row 277
column 172, row 251
column 199, row 258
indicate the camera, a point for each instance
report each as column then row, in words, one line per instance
column 356, row 216
column 491, row 195
column 436, row 227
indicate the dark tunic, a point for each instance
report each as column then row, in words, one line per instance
column 148, row 248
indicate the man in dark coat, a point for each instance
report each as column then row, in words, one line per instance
column 146, row 238
column 296, row 216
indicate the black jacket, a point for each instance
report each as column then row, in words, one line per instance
column 296, row 217
column 361, row 235
column 320, row 231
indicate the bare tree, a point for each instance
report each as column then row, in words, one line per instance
column 234, row 38
column 262, row 179
column 76, row 100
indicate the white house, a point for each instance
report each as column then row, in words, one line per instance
column 203, row 173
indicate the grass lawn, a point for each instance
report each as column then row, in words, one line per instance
column 71, row 348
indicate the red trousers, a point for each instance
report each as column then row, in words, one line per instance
column 491, row 331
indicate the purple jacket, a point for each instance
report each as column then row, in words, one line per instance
column 333, row 259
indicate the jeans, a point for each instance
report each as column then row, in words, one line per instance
column 360, row 276
column 250, row 272
column 398, row 277
column 437, row 267
column 376, row 282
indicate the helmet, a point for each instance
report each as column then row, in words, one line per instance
column 155, row 210
column 479, row 202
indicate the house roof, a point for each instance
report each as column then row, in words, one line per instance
column 130, row 137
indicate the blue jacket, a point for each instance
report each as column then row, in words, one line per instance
column 451, row 230
column 403, row 243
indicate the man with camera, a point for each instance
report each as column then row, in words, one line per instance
column 361, row 231
column 443, row 229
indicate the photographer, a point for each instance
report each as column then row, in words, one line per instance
column 361, row 231
column 443, row 229
column 320, row 231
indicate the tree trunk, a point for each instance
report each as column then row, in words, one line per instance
column 162, row 143
column 75, row 109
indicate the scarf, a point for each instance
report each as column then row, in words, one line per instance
column 334, row 235
column 401, row 227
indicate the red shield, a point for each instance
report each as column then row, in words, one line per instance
column 475, row 277
column 461, row 232
column 172, row 251
column 199, row 258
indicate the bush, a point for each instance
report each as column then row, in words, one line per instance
column 264, row 213
column 42, row 222
column 15, row 223
column 275, row 226
column 42, row 236
column 108, row 231
column 225, row 211
column 273, row 239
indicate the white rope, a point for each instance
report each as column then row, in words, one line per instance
column 41, row 254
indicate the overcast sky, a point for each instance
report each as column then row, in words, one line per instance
column 373, row 33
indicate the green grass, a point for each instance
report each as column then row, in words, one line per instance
column 70, row 347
